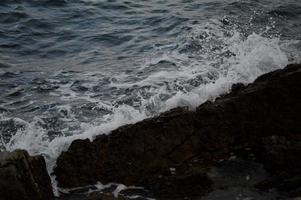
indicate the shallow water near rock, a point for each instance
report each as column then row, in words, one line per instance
column 76, row 69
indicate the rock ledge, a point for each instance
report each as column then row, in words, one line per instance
column 172, row 154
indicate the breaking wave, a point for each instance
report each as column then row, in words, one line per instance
column 44, row 112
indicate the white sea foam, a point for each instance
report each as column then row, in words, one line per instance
column 35, row 140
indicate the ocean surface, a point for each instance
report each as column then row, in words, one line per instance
column 74, row 69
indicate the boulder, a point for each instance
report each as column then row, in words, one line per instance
column 156, row 153
column 24, row 177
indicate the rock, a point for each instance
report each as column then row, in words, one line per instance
column 281, row 155
column 105, row 196
column 150, row 157
column 24, row 177
column 94, row 196
column 105, row 192
column 241, row 121
column 195, row 183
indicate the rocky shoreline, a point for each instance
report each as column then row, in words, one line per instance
column 247, row 143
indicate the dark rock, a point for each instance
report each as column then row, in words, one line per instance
column 235, row 179
column 194, row 184
column 111, row 191
column 237, row 87
column 150, row 158
column 94, row 196
column 281, row 157
column 242, row 121
column 24, row 177
column 105, row 196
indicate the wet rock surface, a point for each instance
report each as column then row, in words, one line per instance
column 107, row 192
column 173, row 155
column 24, row 177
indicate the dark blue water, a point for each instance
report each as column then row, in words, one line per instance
column 77, row 68
column 47, row 35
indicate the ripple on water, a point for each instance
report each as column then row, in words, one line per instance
column 12, row 17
